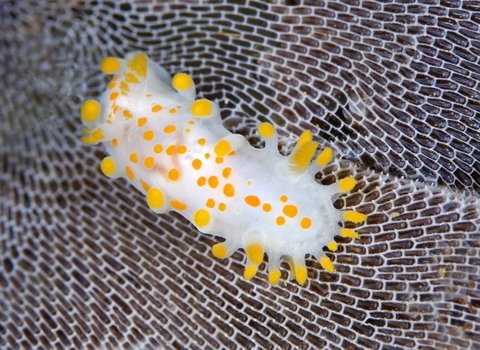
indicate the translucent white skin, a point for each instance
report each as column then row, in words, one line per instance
column 260, row 172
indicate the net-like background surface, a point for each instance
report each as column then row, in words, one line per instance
column 393, row 87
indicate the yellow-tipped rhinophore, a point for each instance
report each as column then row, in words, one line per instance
column 302, row 156
column 306, row 136
column 138, row 64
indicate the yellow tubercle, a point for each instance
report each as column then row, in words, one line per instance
column 201, row 108
column 138, row 64
column 222, row 148
column 301, row 274
column 219, row 251
column 333, row 246
column 255, row 253
column 250, row 271
column 302, row 156
column 266, row 130
column 327, row 264
column 325, row 157
column 155, row 198
column 90, row 111
column 182, row 81
column 348, row 233
column 110, row 65
column 274, row 277
column 304, row 138
column 201, row 218
column 347, row 184
column 108, row 166
column 354, row 216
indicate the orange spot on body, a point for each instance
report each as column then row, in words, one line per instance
column 290, row 210
column 280, row 221
column 252, row 201
column 127, row 114
column 149, row 162
column 148, row 135
column 182, row 149
column 170, row 150
column 219, row 160
column 158, row 148
column 141, row 122
column 113, row 96
column 196, row 164
column 229, row 190
column 305, row 223
column 130, row 173
column 210, row 203
column 213, row 181
column 201, row 141
column 222, row 206
column 283, row 198
column 267, row 207
column 156, row 108
column 226, row 172
column 201, row 181
column 174, row 174
column 145, row 186
column 169, row 129
column 173, row 111
column 134, row 157
column 176, row 204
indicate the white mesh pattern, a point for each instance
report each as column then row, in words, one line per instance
column 393, row 87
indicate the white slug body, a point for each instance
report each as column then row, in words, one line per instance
column 175, row 150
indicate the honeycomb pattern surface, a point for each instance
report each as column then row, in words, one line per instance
column 392, row 86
